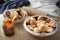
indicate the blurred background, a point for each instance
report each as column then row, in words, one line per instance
column 44, row 5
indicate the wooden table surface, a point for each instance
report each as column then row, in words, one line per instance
column 21, row 34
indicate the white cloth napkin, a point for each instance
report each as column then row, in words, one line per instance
column 46, row 6
column 43, row 5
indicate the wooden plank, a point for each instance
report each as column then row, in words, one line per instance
column 21, row 34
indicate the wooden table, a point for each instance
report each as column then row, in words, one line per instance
column 21, row 34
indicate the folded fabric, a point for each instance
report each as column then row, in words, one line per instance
column 9, row 4
column 46, row 6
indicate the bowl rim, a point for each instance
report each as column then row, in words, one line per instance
column 40, row 34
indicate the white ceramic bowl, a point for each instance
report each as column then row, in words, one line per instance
column 39, row 34
column 21, row 20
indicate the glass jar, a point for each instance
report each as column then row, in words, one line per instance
column 8, row 27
